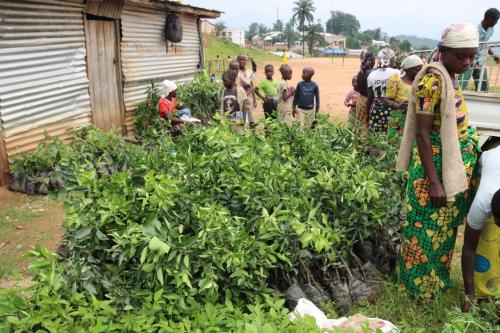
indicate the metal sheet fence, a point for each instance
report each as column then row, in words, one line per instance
column 146, row 57
column 43, row 81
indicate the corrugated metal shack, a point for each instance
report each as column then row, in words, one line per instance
column 69, row 63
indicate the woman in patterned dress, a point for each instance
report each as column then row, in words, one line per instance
column 367, row 64
column 438, row 196
column 398, row 93
column 377, row 86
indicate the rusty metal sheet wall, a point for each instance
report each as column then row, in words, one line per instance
column 146, row 56
column 43, row 80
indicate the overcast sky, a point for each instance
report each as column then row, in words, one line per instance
column 424, row 18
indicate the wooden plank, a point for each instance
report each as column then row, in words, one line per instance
column 106, row 69
column 119, row 77
column 115, row 101
column 103, row 74
column 4, row 160
column 89, row 37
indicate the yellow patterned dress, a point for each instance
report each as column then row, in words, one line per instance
column 399, row 91
column 429, row 232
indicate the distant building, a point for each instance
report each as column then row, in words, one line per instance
column 273, row 34
column 207, row 27
column 257, row 41
column 334, row 41
column 236, row 35
column 268, row 41
column 379, row 43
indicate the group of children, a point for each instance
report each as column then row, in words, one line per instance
column 280, row 100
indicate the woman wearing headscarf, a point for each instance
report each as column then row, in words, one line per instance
column 398, row 93
column 367, row 64
column 167, row 107
column 377, row 85
column 440, row 152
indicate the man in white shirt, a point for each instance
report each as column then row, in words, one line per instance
column 486, row 30
column 482, row 235
column 377, row 85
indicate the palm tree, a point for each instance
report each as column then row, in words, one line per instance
column 314, row 35
column 290, row 34
column 303, row 12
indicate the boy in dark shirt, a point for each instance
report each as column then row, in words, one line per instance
column 234, row 101
column 306, row 94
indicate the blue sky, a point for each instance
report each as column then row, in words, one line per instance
column 424, row 18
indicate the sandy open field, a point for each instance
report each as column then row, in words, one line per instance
column 332, row 76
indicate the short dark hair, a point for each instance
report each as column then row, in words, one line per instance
column 230, row 74
column 284, row 68
column 491, row 14
column 268, row 66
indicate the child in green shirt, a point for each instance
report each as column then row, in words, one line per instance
column 267, row 90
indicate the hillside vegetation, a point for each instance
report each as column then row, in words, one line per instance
column 419, row 43
column 214, row 46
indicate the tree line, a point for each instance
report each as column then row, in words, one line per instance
column 303, row 27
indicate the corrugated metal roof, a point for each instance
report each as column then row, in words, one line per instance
column 43, row 85
column 183, row 8
column 144, row 53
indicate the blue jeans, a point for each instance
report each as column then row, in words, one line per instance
column 184, row 112
column 476, row 74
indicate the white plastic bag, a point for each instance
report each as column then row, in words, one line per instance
column 307, row 308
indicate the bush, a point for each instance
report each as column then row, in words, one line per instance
column 215, row 220
column 202, row 97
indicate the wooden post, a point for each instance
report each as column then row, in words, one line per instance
column 4, row 161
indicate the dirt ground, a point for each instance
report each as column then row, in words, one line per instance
column 333, row 77
column 25, row 221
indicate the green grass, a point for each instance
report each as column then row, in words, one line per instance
column 213, row 46
column 440, row 314
column 16, row 215
column 408, row 314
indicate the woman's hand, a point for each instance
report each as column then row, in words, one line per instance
column 438, row 196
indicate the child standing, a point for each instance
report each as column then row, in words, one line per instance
column 267, row 90
column 351, row 99
column 234, row 101
column 285, row 95
column 245, row 81
column 306, row 99
column 284, row 58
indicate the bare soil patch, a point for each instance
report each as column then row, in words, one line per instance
column 25, row 221
column 333, row 77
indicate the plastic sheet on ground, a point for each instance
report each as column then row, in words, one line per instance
column 358, row 322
